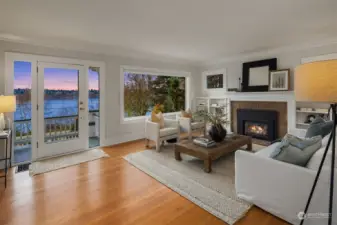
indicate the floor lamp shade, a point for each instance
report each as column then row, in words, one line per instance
column 7, row 103
column 316, row 82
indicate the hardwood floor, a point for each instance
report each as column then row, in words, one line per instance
column 106, row 191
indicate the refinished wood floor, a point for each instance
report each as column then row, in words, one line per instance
column 107, row 191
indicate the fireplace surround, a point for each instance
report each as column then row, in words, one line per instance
column 261, row 124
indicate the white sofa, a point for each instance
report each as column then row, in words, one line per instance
column 282, row 188
column 154, row 133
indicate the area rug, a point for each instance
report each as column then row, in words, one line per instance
column 214, row 192
column 56, row 163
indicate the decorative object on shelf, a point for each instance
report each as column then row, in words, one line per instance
column 310, row 118
column 239, row 85
column 217, row 119
column 233, row 90
column 7, row 104
column 308, row 88
column 279, row 80
column 215, row 80
column 255, row 75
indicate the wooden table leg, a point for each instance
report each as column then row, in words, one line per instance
column 177, row 155
column 208, row 165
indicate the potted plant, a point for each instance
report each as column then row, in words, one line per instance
column 217, row 119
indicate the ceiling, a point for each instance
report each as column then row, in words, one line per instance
column 188, row 30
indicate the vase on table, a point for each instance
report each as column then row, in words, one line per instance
column 217, row 133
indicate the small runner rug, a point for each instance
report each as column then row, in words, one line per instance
column 56, row 163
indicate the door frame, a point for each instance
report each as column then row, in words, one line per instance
column 11, row 57
column 47, row 150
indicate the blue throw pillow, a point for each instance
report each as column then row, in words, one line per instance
column 319, row 127
column 295, row 150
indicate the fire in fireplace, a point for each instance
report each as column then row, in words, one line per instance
column 256, row 129
column 261, row 124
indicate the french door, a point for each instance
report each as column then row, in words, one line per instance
column 62, row 109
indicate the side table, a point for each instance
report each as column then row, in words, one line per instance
column 7, row 135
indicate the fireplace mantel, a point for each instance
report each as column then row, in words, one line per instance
column 277, row 96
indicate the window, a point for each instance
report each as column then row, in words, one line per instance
column 143, row 90
column 93, row 104
column 23, row 114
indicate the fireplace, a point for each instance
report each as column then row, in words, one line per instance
column 261, row 124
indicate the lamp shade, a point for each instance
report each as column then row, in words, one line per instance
column 316, row 82
column 7, row 103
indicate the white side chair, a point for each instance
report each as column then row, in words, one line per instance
column 189, row 126
column 154, row 133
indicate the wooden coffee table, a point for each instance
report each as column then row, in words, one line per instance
column 230, row 144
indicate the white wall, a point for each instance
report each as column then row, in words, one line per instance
column 115, row 131
column 289, row 59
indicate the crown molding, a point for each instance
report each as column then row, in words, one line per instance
column 270, row 52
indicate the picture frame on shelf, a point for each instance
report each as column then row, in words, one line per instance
column 215, row 80
column 279, row 80
column 255, row 75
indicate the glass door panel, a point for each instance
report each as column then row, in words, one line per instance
column 22, row 132
column 62, row 111
column 61, row 104
column 94, row 105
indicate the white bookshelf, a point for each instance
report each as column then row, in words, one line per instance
column 305, row 109
column 212, row 105
column 201, row 104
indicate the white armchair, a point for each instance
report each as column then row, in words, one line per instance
column 189, row 126
column 154, row 133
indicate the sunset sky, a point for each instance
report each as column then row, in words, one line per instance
column 57, row 79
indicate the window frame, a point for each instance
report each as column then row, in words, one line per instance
column 155, row 72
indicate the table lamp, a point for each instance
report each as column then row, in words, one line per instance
column 317, row 82
column 7, row 104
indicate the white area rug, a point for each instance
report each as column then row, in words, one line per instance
column 65, row 161
column 214, row 192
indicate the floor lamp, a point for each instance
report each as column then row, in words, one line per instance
column 316, row 82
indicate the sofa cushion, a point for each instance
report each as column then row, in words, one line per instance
column 319, row 127
column 267, row 151
column 197, row 125
column 295, row 150
column 158, row 118
column 316, row 159
column 186, row 114
column 325, row 140
column 167, row 131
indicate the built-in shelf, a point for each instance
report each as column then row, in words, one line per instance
column 313, row 112
column 304, row 110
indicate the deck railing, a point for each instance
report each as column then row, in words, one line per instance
column 56, row 129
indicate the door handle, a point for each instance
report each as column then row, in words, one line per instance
column 82, row 108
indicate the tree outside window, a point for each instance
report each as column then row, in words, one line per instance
column 142, row 92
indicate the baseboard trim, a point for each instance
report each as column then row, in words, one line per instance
column 123, row 139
